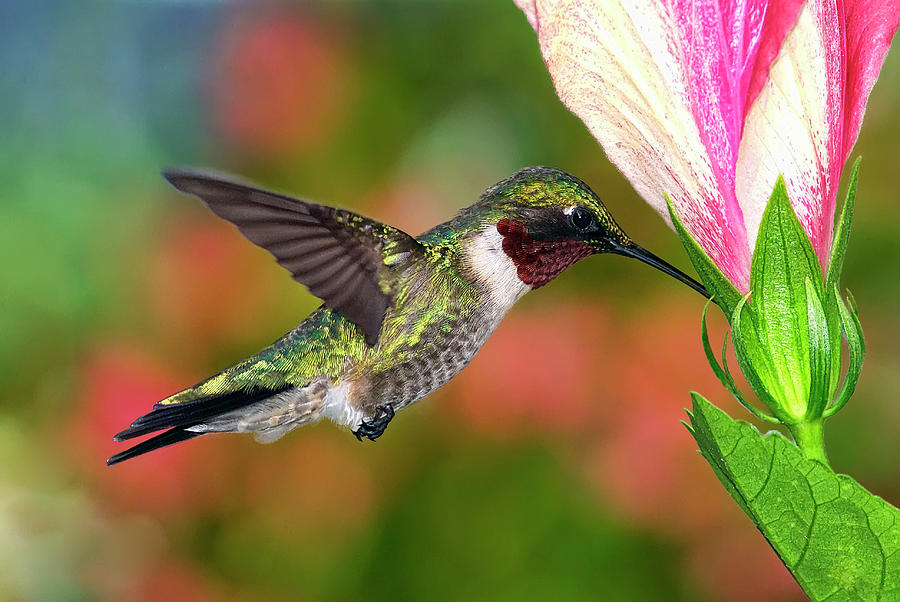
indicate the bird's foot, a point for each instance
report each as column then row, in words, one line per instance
column 375, row 427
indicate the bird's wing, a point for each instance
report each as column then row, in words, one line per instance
column 342, row 257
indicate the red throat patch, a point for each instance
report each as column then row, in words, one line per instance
column 539, row 261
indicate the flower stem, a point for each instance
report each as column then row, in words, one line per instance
column 810, row 438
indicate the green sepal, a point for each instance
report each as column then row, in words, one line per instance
column 720, row 288
column 819, row 354
column 856, row 344
column 842, row 232
column 752, row 358
column 782, row 261
column 839, row 541
column 722, row 372
column 854, row 313
column 835, row 265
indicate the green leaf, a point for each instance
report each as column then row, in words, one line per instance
column 839, row 541
column 782, row 261
column 722, row 290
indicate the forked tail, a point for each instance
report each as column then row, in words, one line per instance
column 189, row 419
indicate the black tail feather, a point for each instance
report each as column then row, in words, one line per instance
column 175, row 435
column 179, row 417
column 191, row 413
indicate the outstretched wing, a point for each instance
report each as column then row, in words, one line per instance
column 342, row 257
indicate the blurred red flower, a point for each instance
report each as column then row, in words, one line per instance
column 734, row 563
column 207, row 284
column 413, row 205
column 649, row 460
column 541, row 372
column 174, row 583
column 118, row 383
column 317, row 481
column 278, row 86
column 648, row 467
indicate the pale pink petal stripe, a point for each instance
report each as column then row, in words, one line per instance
column 807, row 115
column 530, row 11
column 632, row 71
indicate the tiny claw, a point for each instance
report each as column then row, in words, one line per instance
column 374, row 428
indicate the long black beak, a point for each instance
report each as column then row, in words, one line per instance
column 642, row 254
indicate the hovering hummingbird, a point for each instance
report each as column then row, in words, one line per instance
column 401, row 315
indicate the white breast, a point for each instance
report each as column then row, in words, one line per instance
column 338, row 407
column 493, row 269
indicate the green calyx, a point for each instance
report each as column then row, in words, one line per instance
column 787, row 330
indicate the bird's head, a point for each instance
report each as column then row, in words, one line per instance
column 547, row 220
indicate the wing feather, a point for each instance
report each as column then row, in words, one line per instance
column 337, row 254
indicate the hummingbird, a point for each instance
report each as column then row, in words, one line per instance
column 400, row 315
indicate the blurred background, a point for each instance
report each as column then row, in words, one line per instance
column 575, row 483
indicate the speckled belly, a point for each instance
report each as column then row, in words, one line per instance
column 430, row 368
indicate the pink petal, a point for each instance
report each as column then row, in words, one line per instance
column 870, row 26
column 663, row 88
column 719, row 43
column 806, row 118
column 530, row 11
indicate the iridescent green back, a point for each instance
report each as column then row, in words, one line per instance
column 430, row 297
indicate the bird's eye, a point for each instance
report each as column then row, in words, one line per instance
column 581, row 218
